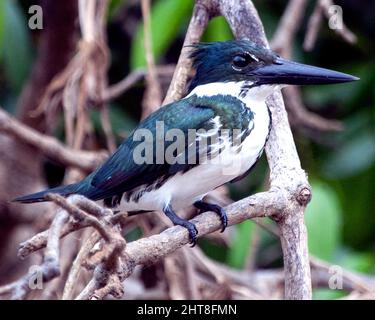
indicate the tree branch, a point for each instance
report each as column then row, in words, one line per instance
column 322, row 7
column 197, row 25
column 50, row 146
column 152, row 97
column 290, row 21
column 48, row 270
column 286, row 176
column 282, row 42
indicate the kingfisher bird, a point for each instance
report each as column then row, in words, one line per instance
column 224, row 123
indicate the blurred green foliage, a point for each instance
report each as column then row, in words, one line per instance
column 341, row 166
column 322, row 218
column 217, row 30
column 167, row 17
column 240, row 248
column 16, row 46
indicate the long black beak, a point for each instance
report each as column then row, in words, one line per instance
column 288, row 72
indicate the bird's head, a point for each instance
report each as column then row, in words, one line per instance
column 242, row 60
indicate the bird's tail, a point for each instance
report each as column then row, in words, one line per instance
column 65, row 191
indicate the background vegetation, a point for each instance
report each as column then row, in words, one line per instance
column 341, row 165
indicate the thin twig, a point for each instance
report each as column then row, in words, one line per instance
column 132, row 78
column 357, row 282
column 152, row 97
column 313, row 27
column 322, row 7
column 79, row 214
column 77, row 264
column 288, row 26
column 48, row 270
column 301, row 118
column 50, row 146
column 282, row 42
column 119, row 88
column 197, row 25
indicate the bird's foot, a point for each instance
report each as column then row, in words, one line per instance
column 192, row 229
column 193, row 232
column 204, row 206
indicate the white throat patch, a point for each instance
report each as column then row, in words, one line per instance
column 242, row 90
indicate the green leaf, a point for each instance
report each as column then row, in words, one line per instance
column 240, row 249
column 17, row 46
column 213, row 250
column 355, row 156
column 356, row 197
column 167, row 17
column 217, row 30
column 323, row 220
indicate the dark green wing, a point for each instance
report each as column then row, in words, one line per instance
column 121, row 173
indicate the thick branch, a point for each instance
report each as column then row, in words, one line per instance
column 286, row 174
column 151, row 249
column 147, row 250
column 258, row 205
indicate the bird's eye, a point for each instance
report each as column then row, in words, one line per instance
column 241, row 61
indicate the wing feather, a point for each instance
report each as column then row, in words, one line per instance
column 120, row 173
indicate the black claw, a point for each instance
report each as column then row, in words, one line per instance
column 191, row 228
column 204, row 206
column 223, row 218
column 193, row 233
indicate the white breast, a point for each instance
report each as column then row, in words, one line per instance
column 184, row 189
